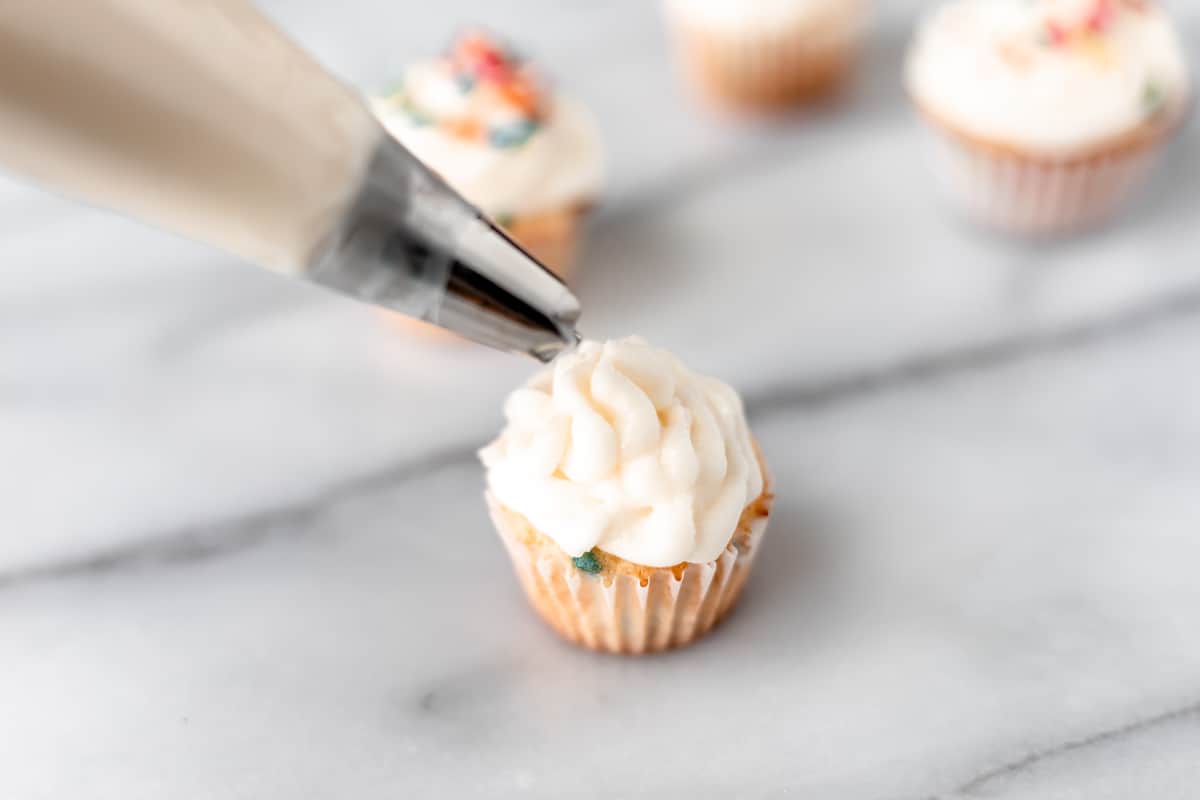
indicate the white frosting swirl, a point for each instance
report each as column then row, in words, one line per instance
column 559, row 165
column 756, row 15
column 619, row 446
column 1050, row 75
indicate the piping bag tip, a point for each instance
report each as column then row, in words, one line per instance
column 570, row 339
column 410, row 243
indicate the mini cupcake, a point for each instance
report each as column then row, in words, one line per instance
column 1046, row 114
column 766, row 54
column 630, row 495
column 527, row 158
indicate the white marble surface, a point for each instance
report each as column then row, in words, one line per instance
column 243, row 553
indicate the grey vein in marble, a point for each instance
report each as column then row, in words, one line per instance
column 210, row 541
column 981, row 782
column 913, row 621
column 214, row 539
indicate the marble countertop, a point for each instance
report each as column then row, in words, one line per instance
column 244, row 552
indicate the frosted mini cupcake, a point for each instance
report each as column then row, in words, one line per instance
column 1046, row 113
column 630, row 496
column 527, row 158
column 766, row 53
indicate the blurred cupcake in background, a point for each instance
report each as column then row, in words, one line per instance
column 483, row 120
column 1046, row 114
column 766, row 54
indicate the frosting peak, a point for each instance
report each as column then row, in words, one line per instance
column 617, row 445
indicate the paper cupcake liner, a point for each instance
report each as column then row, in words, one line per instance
column 1007, row 190
column 623, row 613
column 772, row 68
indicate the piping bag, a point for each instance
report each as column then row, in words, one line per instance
column 201, row 117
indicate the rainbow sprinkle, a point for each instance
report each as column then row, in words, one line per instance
column 1154, row 99
column 505, row 104
column 1085, row 32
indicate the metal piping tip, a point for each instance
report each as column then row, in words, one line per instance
column 412, row 244
column 569, row 340
column 499, row 295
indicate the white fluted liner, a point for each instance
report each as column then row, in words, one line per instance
column 618, row 613
column 1027, row 196
column 771, row 66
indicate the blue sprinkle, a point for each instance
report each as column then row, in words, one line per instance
column 1153, row 97
column 514, row 134
column 587, row 563
column 415, row 115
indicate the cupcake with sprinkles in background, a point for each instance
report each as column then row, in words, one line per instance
column 766, row 54
column 483, row 120
column 1046, row 114
column 630, row 496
